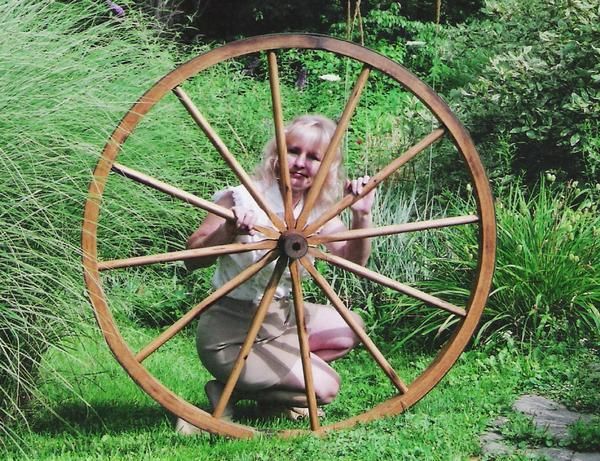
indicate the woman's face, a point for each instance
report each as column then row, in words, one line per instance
column 304, row 159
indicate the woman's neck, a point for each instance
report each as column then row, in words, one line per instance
column 296, row 197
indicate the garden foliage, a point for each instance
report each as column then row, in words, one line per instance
column 547, row 267
column 524, row 77
column 540, row 88
column 66, row 69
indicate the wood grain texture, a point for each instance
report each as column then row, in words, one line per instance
column 257, row 322
column 392, row 229
column 304, row 346
column 229, row 158
column 371, row 60
column 173, row 191
column 387, row 282
column 362, row 335
column 284, row 172
column 334, row 144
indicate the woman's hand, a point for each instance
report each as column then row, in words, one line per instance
column 244, row 222
column 365, row 204
column 215, row 230
column 355, row 250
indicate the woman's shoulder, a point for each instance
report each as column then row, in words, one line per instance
column 230, row 193
column 238, row 195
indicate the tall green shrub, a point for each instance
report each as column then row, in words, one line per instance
column 545, row 286
column 68, row 71
column 541, row 86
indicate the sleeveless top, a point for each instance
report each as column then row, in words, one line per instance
column 228, row 266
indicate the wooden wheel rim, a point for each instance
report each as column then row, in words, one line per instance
column 487, row 235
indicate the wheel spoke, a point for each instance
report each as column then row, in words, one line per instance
column 386, row 281
column 329, row 156
column 196, row 310
column 393, row 229
column 284, row 172
column 257, row 321
column 186, row 254
column 375, row 180
column 192, row 199
column 304, row 347
column 218, row 143
column 345, row 313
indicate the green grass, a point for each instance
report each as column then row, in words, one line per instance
column 68, row 72
column 118, row 420
column 106, row 416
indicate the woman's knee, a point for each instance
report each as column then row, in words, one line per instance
column 361, row 324
column 326, row 381
column 327, row 388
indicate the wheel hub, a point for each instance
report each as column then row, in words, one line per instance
column 293, row 244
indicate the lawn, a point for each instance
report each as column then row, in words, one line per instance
column 102, row 414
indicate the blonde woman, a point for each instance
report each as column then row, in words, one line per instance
column 273, row 370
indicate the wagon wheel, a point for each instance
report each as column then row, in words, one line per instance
column 291, row 240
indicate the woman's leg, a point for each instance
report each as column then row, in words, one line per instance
column 330, row 337
column 292, row 390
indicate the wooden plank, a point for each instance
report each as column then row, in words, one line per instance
column 192, row 199
column 257, row 321
column 349, row 199
column 284, row 172
column 199, row 308
column 304, row 346
column 392, row 229
column 329, row 157
column 186, row 254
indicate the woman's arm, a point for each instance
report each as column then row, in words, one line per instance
column 359, row 250
column 215, row 230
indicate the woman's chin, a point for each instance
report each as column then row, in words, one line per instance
column 300, row 187
column 299, row 183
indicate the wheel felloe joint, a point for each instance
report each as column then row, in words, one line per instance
column 293, row 244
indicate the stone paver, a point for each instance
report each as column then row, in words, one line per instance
column 546, row 415
column 493, row 444
column 585, row 457
column 549, row 415
column 553, row 454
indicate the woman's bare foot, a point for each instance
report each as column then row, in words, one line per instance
column 184, row 428
column 298, row 413
column 270, row 410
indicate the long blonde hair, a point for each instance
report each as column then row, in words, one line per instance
column 316, row 129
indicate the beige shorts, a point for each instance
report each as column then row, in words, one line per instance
column 223, row 328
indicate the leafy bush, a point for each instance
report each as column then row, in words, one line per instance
column 541, row 86
column 419, row 46
column 451, row 12
column 546, row 279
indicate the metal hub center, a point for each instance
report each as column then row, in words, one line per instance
column 293, row 244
